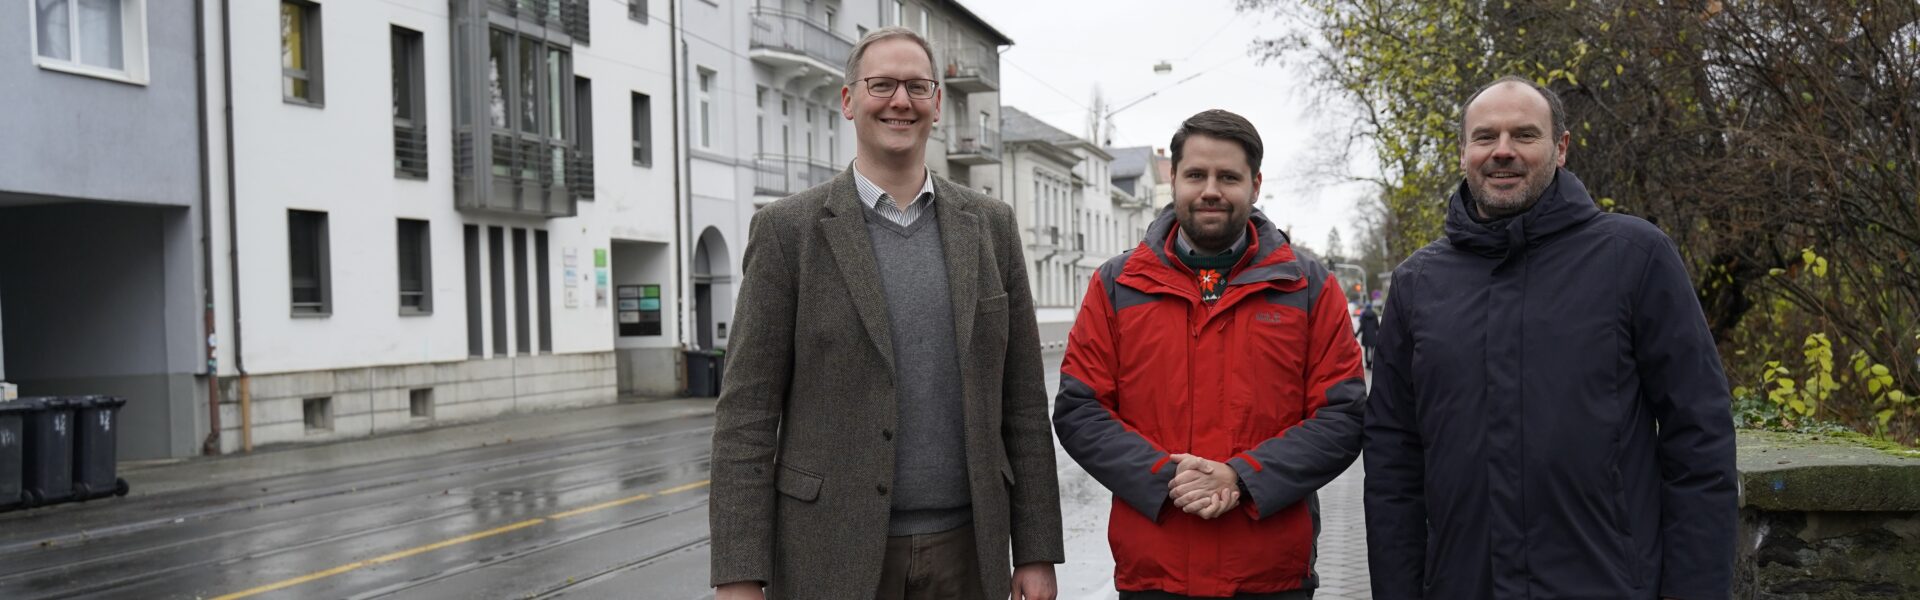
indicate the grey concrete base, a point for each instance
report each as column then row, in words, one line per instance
column 651, row 371
column 374, row 400
column 159, row 420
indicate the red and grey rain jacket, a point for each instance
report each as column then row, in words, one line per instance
column 1266, row 379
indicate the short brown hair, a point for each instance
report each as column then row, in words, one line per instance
column 1216, row 123
column 1556, row 110
column 883, row 34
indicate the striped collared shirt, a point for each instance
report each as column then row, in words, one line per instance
column 872, row 196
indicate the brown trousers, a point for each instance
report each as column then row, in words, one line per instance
column 933, row 566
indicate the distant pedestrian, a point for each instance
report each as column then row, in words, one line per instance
column 1369, row 327
column 1548, row 417
column 1212, row 383
column 882, row 432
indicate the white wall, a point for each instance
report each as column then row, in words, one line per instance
column 338, row 159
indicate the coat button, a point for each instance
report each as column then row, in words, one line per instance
column 886, row 434
column 882, row 488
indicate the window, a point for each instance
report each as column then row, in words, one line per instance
column 832, row 22
column 545, row 296
column 582, row 184
column 497, row 271
column 522, row 295
column 317, row 414
column 420, row 403
column 307, row 257
column 532, row 107
column 899, row 13
column 706, row 108
column 300, row 80
column 476, row 340
column 416, row 268
column 642, row 130
column 105, row 38
column 409, row 104
column 637, row 10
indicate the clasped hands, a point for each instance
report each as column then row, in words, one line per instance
column 1202, row 487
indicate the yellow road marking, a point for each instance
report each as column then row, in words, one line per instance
column 353, row 566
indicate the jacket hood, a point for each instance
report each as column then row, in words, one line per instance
column 1563, row 205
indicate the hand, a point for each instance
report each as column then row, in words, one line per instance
column 739, row 590
column 1198, row 479
column 1034, row 581
column 1214, row 504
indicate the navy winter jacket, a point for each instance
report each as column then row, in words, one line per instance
column 1548, row 418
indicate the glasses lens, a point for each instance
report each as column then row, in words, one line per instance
column 920, row 88
column 883, row 86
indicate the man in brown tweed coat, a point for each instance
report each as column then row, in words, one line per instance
column 883, row 430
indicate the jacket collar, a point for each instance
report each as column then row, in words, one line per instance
column 1269, row 257
column 1564, row 205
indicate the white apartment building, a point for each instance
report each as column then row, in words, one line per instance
column 432, row 210
column 762, row 109
column 1072, row 215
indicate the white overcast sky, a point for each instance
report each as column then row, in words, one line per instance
column 1064, row 48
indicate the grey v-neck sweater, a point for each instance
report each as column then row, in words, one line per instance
column 930, row 456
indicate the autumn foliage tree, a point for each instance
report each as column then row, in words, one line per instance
column 1776, row 141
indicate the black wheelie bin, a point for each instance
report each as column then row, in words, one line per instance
column 95, row 449
column 13, row 433
column 48, row 473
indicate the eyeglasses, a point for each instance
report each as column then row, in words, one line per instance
column 886, row 87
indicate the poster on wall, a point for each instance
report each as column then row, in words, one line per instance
column 570, row 271
column 639, row 310
column 600, row 277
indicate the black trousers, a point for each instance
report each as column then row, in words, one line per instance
column 1289, row 595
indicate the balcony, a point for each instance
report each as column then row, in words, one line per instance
column 570, row 16
column 974, row 147
column 973, row 69
column 787, row 40
column 776, row 175
column 523, row 175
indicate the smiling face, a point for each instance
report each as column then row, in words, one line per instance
column 1213, row 191
column 1510, row 153
column 890, row 129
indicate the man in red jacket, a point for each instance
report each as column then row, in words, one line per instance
column 1213, row 384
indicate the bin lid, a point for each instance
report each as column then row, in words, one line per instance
column 20, row 405
column 82, row 402
column 38, row 403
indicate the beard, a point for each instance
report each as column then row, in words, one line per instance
column 1212, row 237
column 1495, row 206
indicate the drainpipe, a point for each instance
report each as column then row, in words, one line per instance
column 233, row 229
column 682, row 194
column 211, row 446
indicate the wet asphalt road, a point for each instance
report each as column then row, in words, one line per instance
column 610, row 513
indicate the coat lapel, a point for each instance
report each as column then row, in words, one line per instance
column 960, row 235
column 846, row 233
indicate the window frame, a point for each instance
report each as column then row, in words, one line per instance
column 707, row 80
column 412, row 43
column 312, row 49
column 323, row 266
column 133, row 44
column 641, row 123
column 637, row 11
column 424, row 253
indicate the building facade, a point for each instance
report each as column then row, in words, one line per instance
column 439, row 211
column 102, row 214
column 1077, row 204
column 764, row 120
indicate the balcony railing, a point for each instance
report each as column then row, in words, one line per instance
column 580, row 176
column 410, row 151
column 975, row 141
column 571, row 16
column 973, row 68
column 789, row 32
column 776, row 175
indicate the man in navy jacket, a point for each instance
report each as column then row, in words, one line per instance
column 1548, row 417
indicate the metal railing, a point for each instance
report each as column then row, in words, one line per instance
column 789, row 32
column 973, row 60
column 410, row 151
column 572, row 16
column 777, row 175
column 975, row 140
column 580, row 174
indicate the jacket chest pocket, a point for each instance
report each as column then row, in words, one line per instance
column 1266, row 376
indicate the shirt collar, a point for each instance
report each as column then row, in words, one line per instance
column 871, row 194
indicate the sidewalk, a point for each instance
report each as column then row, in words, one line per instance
column 159, row 477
